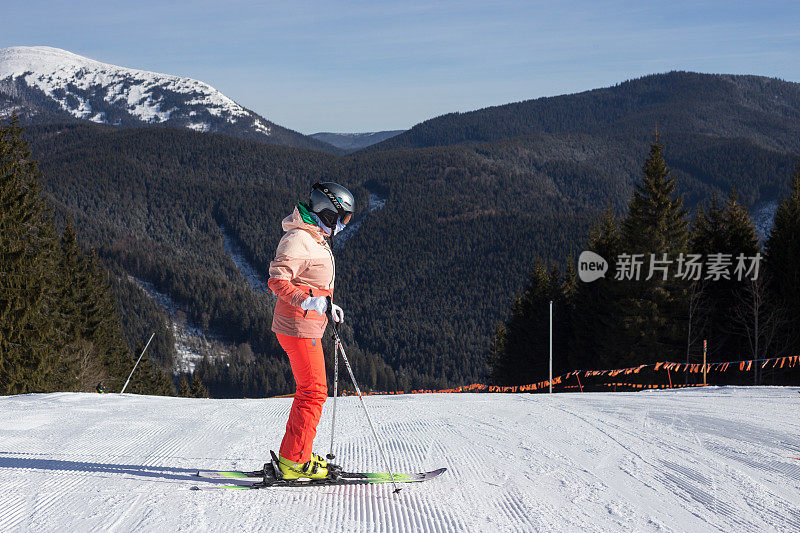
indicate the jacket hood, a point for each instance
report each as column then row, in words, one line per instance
column 296, row 221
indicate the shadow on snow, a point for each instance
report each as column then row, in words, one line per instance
column 56, row 465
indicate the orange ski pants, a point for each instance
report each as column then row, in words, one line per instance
column 308, row 367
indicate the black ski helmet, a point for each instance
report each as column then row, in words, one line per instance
column 332, row 203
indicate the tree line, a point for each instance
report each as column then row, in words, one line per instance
column 423, row 281
column 749, row 312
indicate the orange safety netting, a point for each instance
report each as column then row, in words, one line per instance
column 695, row 368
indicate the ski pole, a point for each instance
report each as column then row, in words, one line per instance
column 331, row 455
column 338, row 341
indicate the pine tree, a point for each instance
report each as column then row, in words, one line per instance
column 654, row 309
column 521, row 347
column 724, row 229
column 28, row 330
column 198, row 390
column 596, row 317
column 782, row 263
column 183, row 387
column 149, row 379
column 656, row 221
column 100, row 324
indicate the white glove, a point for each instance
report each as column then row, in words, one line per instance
column 337, row 314
column 316, row 303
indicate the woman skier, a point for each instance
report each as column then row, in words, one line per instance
column 302, row 276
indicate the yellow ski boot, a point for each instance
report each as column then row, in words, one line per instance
column 319, row 460
column 310, row 470
column 334, row 470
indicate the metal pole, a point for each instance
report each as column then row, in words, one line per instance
column 361, row 399
column 137, row 362
column 551, row 346
column 331, row 455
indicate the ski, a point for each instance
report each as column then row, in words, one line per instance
column 230, row 474
column 247, row 481
column 270, row 476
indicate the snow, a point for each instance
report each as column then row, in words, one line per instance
column 100, row 118
column 375, row 203
column 191, row 342
column 199, row 126
column 714, row 459
column 261, row 127
column 59, row 73
column 763, row 218
column 254, row 278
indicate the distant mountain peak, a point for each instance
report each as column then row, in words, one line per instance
column 45, row 84
column 355, row 141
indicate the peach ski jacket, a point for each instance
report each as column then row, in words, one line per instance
column 303, row 267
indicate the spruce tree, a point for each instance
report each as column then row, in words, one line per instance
column 59, row 327
column 782, row 264
column 654, row 309
column 596, row 317
column 524, row 345
column 198, row 390
column 149, row 379
column 521, row 350
column 28, row 324
column 183, row 387
column 724, row 229
column 656, row 221
column 740, row 229
column 71, row 274
column 708, row 230
column 103, row 325
column 704, row 299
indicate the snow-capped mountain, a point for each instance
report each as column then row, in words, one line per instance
column 44, row 84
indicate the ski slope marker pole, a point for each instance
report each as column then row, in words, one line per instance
column 705, row 346
column 551, row 346
column 363, row 405
column 137, row 362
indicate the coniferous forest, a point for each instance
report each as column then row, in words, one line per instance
column 611, row 323
column 459, row 243
column 59, row 326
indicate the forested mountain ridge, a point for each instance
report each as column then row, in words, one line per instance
column 354, row 141
column 45, row 85
column 766, row 110
column 424, row 280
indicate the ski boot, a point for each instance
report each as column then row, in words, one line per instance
column 319, row 460
column 289, row 470
column 334, row 470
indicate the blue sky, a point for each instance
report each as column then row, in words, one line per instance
column 379, row 65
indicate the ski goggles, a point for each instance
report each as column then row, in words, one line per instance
column 331, row 218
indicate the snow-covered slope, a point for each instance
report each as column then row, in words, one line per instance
column 46, row 84
column 763, row 217
column 718, row 459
